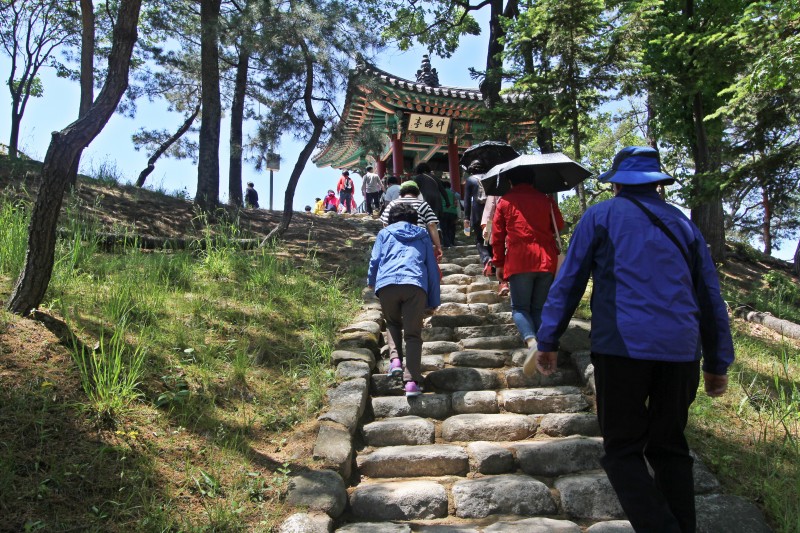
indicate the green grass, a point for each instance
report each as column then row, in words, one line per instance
column 185, row 366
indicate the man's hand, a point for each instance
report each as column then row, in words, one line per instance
column 546, row 362
column 716, row 385
column 437, row 253
column 498, row 272
column 485, row 232
column 466, row 223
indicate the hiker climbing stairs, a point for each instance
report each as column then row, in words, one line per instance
column 484, row 448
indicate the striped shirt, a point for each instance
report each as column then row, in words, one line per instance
column 426, row 214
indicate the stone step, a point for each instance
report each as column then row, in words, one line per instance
column 430, row 460
column 558, row 457
column 481, row 358
column 543, row 400
column 404, row 430
column 502, row 342
column 521, row 525
column 487, row 427
column 485, row 330
column 463, row 379
column 503, row 494
column 403, row 500
column 478, row 390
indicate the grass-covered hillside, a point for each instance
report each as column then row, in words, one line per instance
column 177, row 389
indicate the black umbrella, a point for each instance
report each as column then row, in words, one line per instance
column 550, row 172
column 490, row 152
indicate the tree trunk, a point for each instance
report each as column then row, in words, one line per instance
column 784, row 327
column 64, row 148
column 797, row 259
column 576, row 148
column 151, row 163
column 13, row 139
column 709, row 216
column 766, row 228
column 491, row 84
column 207, row 196
column 87, row 73
column 237, row 118
column 305, row 154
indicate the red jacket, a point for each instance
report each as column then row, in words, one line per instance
column 340, row 184
column 523, row 238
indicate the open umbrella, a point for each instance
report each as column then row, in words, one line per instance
column 490, row 152
column 551, row 173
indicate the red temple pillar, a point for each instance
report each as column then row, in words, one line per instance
column 397, row 155
column 455, row 170
column 381, row 168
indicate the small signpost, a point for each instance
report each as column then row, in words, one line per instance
column 273, row 163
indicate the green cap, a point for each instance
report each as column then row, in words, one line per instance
column 409, row 186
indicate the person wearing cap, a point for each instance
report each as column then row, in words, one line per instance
column 656, row 312
column 409, row 193
column 250, row 196
column 345, row 188
column 331, row 204
column 372, row 189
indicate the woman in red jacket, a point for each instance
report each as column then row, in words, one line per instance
column 525, row 251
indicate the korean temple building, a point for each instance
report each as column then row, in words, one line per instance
column 417, row 121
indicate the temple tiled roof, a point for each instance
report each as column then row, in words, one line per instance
column 373, row 98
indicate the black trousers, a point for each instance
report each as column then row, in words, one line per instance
column 447, row 222
column 373, row 201
column 643, row 408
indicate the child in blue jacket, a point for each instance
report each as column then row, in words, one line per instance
column 405, row 277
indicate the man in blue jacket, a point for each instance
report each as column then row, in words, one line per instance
column 405, row 276
column 656, row 309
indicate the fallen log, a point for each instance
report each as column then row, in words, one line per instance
column 784, row 327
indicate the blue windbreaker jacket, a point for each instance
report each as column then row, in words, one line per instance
column 403, row 255
column 646, row 302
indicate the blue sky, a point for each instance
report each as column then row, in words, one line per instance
column 113, row 148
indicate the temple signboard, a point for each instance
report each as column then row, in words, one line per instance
column 428, row 124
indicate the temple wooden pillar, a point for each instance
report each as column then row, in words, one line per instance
column 455, row 169
column 381, row 168
column 397, row 155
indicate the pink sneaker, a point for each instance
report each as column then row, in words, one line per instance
column 412, row 389
column 395, row 367
column 503, row 289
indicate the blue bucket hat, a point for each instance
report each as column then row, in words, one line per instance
column 636, row 165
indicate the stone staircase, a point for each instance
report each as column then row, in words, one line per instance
column 485, row 448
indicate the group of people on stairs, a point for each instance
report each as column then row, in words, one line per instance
column 657, row 313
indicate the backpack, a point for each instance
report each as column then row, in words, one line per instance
column 348, row 185
column 480, row 197
column 452, row 209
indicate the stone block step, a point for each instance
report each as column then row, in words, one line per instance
column 589, row 496
column 426, row 405
column 480, row 358
column 491, row 427
column 504, row 494
column 404, row 430
column 560, row 399
column 404, row 500
column 501, row 342
column 523, row 525
column 463, row 379
column 491, row 330
column 514, row 378
column 451, row 268
column 430, row 460
column 558, row 457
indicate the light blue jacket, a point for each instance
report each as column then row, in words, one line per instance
column 646, row 301
column 403, row 255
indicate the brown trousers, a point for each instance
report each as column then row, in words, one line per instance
column 404, row 308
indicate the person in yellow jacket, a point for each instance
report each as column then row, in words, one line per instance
column 319, row 208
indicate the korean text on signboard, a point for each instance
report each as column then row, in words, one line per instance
column 428, row 124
